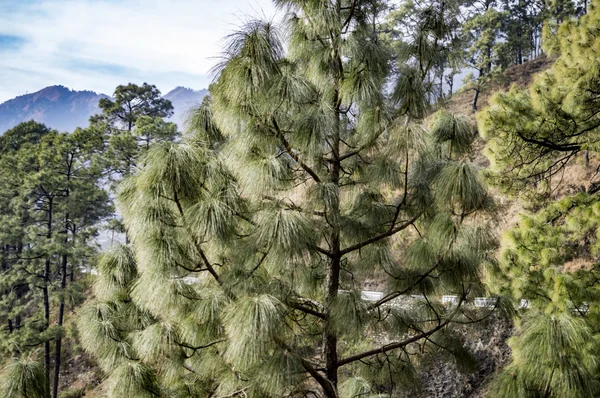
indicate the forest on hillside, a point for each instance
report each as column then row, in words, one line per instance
column 333, row 155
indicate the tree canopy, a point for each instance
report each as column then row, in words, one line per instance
column 49, row 207
column 253, row 236
column 549, row 259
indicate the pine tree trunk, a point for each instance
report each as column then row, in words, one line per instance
column 45, row 289
column 332, row 281
column 61, row 314
column 520, row 55
column 18, row 316
column 441, row 98
column 474, row 107
column 19, row 291
column 332, row 275
column 587, row 159
column 63, row 286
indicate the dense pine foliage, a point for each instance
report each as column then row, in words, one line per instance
column 322, row 161
column 252, row 237
column 550, row 259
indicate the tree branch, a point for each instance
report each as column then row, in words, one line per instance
column 392, row 346
column 383, row 235
column 289, row 150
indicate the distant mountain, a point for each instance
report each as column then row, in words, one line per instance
column 183, row 99
column 56, row 106
column 63, row 109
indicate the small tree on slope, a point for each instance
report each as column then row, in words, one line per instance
column 251, row 238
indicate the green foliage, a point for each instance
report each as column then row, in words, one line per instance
column 554, row 352
column 50, row 205
column 534, row 132
column 24, row 378
column 554, row 356
column 457, row 131
column 130, row 122
column 133, row 101
column 550, row 258
column 252, row 236
column 427, row 39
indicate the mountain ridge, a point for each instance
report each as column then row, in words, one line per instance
column 64, row 109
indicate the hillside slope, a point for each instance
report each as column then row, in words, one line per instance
column 183, row 99
column 521, row 75
column 63, row 109
column 56, row 106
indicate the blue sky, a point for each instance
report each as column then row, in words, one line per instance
column 99, row 44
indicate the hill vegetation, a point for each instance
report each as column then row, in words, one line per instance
column 329, row 153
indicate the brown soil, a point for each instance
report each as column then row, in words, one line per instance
column 520, row 75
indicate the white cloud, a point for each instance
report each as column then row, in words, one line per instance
column 98, row 44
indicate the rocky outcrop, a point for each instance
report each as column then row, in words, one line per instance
column 487, row 341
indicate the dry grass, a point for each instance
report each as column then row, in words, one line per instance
column 521, row 75
column 578, row 264
column 575, row 177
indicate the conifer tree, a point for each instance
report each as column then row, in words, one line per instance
column 550, row 259
column 548, row 262
column 131, row 122
column 427, row 39
column 484, row 29
column 521, row 28
column 534, row 132
column 51, row 206
column 251, row 238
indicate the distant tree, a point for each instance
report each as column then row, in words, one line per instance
column 484, row 30
column 521, row 26
column 30, row 132
column 51, row 203
column 129, row 124
column 253, row 236
column 132, row 101
column 131, row 121
column 426, row 38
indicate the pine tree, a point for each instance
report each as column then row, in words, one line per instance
column 521, row 28
column 534, row 132
column 253, row 236
column 550, row 259
column 484, row 29
column 427, row 39
column 549, row 262
column 52, row 203
column 131, row 122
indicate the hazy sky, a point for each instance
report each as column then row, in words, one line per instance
column 99, row 44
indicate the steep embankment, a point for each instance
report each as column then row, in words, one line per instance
column 487, row 341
